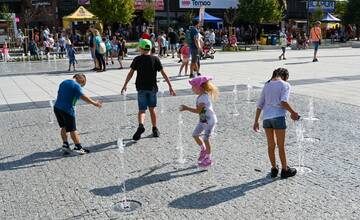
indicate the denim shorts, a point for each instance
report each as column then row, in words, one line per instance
column 316, row 45
column 146, row 98
column 275, row 123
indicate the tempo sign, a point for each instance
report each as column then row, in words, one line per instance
column 215, row 4
column 326, row 6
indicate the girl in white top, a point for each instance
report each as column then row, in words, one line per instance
column 206, row 91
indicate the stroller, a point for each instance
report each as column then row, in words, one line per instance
column 208, row 51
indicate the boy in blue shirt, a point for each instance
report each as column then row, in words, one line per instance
column 69, row 93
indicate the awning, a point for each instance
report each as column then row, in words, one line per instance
column 81, row 14
column 209, row 18
column 330, row 18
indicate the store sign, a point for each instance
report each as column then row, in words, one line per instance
column 215, row 4
column 140, row 4
column 83, row 2
column 326, row 6
column 41, row 2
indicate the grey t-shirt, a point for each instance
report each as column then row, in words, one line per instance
column 273, row 93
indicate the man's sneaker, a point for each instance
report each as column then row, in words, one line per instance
column 288, row 173
column 81, row 150
column 274, row 172
column 138, row 133
column 191, row 75
column 206, row 162
column 156, row 132
column 315, row 60
column 66, row 149
column 199, row 74
column 202, row 155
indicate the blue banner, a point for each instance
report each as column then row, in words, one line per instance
column 326, row 6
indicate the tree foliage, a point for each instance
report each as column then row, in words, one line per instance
column 188, row 17
column 340, row 9
column 230, row 16
column 352, row 13
column 149, row 12
column 260, row 11
column 317, row 15
column 112, row 11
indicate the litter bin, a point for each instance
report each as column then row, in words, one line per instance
column 273, row 39
column 263, row 40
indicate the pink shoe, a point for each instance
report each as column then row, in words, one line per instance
column 206, row 162
column 202, row 155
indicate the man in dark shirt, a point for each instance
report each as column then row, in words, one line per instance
column 147, row 67
column 195, row 48
column 172, row 40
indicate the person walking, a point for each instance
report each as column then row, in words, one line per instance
column 185, row 54
column 315, row 37
column 173, row 38
column 274, row 102
column 147, row 67
column 70, row 91
column 283, row 44
column 195, row 48
column 100, row 50
column 71, row 56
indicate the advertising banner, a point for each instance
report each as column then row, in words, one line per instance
column 326, row 6
column 159, row 4
column 202, row 15
column 213, row 4
column 41, row 2
column 84, row 2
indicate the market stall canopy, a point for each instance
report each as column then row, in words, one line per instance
column 81, row 14
column 209, row 18
column 330, row 18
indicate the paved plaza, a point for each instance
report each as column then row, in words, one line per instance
column 38, row 182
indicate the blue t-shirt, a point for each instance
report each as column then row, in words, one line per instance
column 68, row 94
column 193, row 32
column 97, row 43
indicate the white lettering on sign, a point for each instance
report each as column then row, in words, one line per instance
column 219, row 4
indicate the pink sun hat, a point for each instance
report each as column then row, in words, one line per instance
column 200, row 80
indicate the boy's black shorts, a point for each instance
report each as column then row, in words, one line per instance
column 65, row 120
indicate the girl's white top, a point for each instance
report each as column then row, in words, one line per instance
column 207, row 115
column 273, row 93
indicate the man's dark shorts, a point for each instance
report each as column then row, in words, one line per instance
column 194, row 56
column 275, row 123
column 65, row 120
column 146, row 98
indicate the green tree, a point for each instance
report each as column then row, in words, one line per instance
column 111, row 11
column 260, row 11
column 317, row 15
column 188, row 17
column 340, row 9
column 149, row 12
column 352, row 14
column 230, row 16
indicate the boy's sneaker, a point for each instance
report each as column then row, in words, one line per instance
column 138, row 133
column 191, row 75
column 206, row 162
column 288, row 173
column 66, row 149
column 156, row 132
column 202, row 155
column 81, row 150
column 274, row 172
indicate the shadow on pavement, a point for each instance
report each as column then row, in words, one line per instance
column 34, row 159
column 145, row 179
column 204, row 199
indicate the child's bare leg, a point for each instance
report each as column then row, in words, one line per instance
column 181, row 68
column 208, row 146
column 186, row 67
column 280, row 139
column 198, row 140
column 64, row 136
column 271, row 146
column 75, row 137
column 153, row 116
